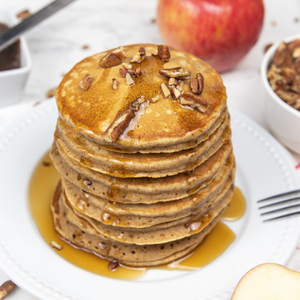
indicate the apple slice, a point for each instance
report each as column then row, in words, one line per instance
column 268, row 281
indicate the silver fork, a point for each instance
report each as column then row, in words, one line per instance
column 285, row 205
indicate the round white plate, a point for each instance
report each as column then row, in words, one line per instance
column 263, row 168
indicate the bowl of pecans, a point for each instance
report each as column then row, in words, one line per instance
column 280, row 72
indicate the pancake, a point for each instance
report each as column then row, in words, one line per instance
column 156, row 234
column 141, row 190
column 92, row 111
column 87, row 238
column 138, row 165
column 144, row 215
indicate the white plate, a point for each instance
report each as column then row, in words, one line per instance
column 263, row 168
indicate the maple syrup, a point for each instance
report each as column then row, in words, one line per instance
column 41, row 188
column 237, row 206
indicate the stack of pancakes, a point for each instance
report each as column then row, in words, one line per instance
column 142, row 184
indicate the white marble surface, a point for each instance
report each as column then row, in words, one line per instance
column 56, row 45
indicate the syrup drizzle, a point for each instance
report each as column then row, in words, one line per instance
column 42, row 185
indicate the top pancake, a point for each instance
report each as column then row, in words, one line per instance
column 163, row 123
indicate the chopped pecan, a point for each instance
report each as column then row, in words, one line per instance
column 267, row 47
column 178, row 73
column 165, row 90
column 295, row 87
column 163, row 52
column 6, row 288
column 138, row 71
column 296, row 65
column 288, row 97
column 180, row 85
column 51, row 93
column 24, row 14
column 113, row 58
column 123, row 72
column 172, row 81
column 115, row 83
column 282, row 56
column 132, row 73
column 293, row 45
column 154, row 99
column 139, row 56
column 127, row 66
column 289, row 72
column 129, row 79
column 113, row 265
column 175, row 93
column 296, row 53
column 56, row 245
column 154, row 52
column 197, row 84
column 134, row 105
column 85, row 82
column 297, row 104
column 118, row 126
column 194, row 101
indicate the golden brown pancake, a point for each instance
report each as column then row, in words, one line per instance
column 141, row 190
column 86, row 237
column 164, row 123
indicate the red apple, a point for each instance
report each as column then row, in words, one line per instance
column 220, row 32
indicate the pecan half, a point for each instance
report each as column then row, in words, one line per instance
column 113, row 58
column 139, row 56
column 163, row 52
column 194, row 101
column 115, row 83
column 118, row 126
column 165, row 90
column 135, row 105
column 197, row 84
column 178, row 73
column 85, row 82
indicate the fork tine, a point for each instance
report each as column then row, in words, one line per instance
column 280, row 195
column 280, row 202
column 283, row 216
column 280, row 209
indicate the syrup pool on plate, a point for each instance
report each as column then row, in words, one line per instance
column 41, row 188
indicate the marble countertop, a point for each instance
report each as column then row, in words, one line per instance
column 57, row 44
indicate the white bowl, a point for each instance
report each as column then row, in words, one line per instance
column 283, row 120
column 12, row 82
